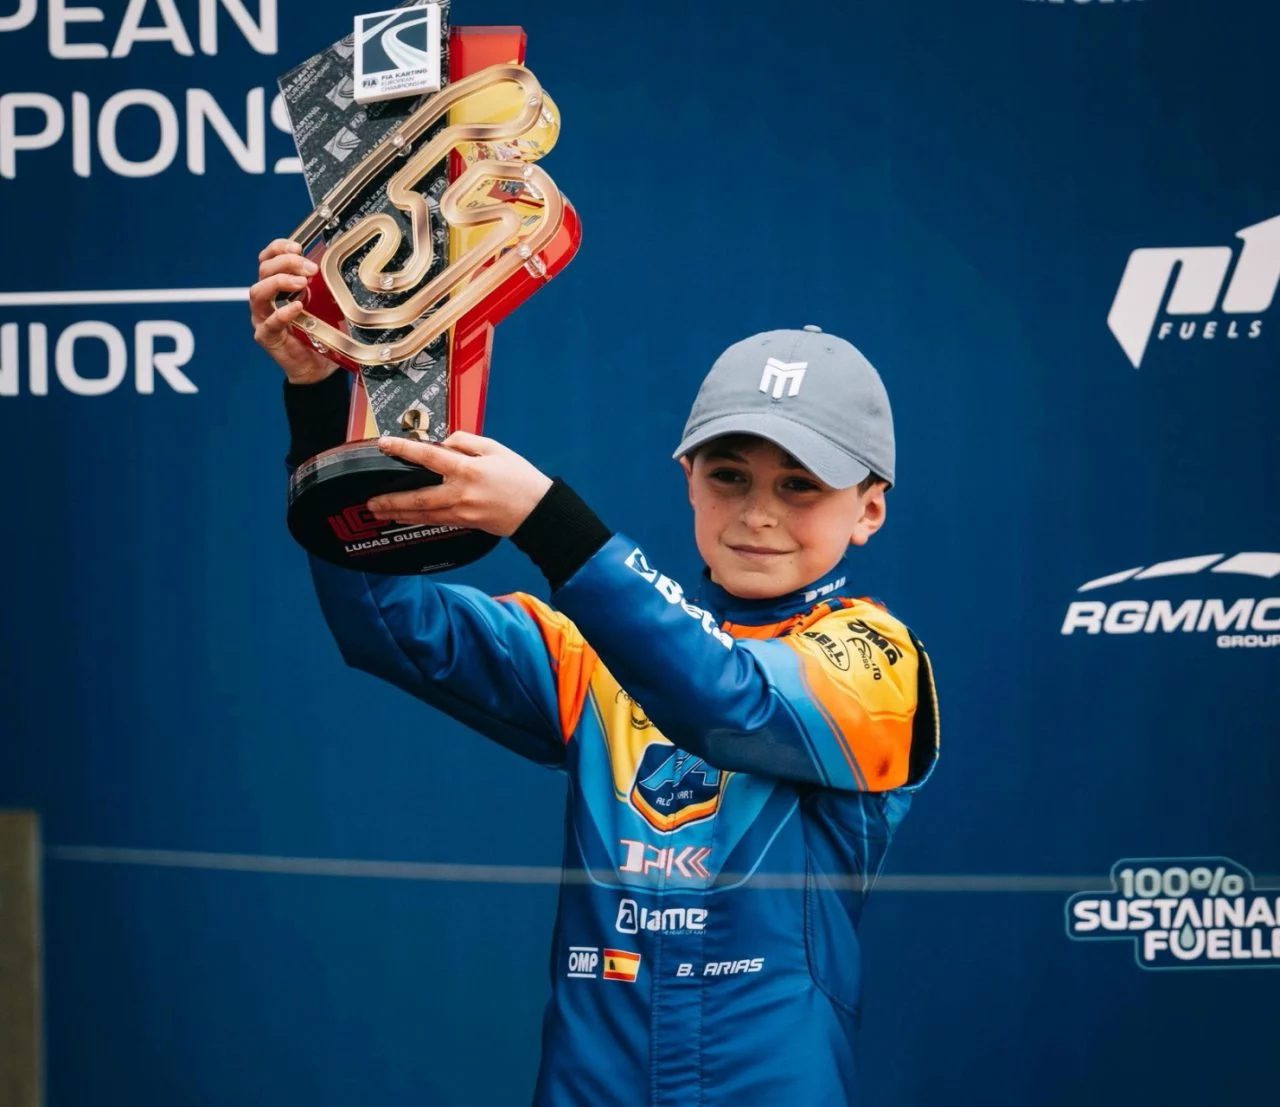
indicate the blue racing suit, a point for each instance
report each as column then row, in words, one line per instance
column 736, row 772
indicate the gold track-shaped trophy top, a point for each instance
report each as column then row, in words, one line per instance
column 519, row 226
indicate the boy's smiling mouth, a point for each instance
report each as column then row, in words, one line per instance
column 757, row 551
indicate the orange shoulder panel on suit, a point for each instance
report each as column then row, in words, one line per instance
column 572, row 660
column 860, row 667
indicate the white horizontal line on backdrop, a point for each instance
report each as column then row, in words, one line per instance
column 125, row 296
column 445, row 873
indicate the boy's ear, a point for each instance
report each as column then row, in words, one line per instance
column 687, row 466
column 870, row 517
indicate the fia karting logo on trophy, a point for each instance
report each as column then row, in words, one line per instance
column 432, row 231
column 397, row 53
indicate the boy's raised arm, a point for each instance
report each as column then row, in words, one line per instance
column 777, row 708
column 510, row 668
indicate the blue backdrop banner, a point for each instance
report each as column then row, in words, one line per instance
column 1052, row 225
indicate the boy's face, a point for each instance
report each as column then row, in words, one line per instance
column 765, row 525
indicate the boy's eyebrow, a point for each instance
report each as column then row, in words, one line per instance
column 724, row 453
column 728, row 453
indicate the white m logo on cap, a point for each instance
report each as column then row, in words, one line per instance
column 779, row 374
column 1195, row 291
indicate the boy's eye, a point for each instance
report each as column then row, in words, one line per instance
column 726, row 476
column 800, row 484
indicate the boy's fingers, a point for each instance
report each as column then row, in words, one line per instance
column 262, row 295
column 427, row 454
column 286, row 263
column 414, row 505
column 279, row 246
column 278, row 321
column 416, row 518
column 274, row 329
column 474, row 445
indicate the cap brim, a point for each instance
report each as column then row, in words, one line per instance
column 818, row 454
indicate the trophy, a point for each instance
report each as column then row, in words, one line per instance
column 431, row 223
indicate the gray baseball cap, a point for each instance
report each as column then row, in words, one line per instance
column 810, row 393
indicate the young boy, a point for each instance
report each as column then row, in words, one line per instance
column 738, row 756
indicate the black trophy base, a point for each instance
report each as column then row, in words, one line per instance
column 328, row 518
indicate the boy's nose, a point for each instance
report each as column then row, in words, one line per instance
column 758, row 512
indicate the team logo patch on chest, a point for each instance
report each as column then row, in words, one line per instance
column 673, row 788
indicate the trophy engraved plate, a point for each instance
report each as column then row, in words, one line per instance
column 431, row 222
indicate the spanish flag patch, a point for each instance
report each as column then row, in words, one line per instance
column 621, row 965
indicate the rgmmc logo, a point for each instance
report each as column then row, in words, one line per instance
column 1183, row 913
column 1241, row 621
column 1201, row 277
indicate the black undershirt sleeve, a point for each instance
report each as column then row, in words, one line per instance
column 561, row 534
column 317, row 415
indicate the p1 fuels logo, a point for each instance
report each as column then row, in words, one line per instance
column 1228, row 309
column 1210, row 604
column 1183, row 913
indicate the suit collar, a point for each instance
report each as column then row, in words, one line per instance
column 734, row 609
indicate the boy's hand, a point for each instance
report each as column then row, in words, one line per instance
column 486, row 485
column 282, row 268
